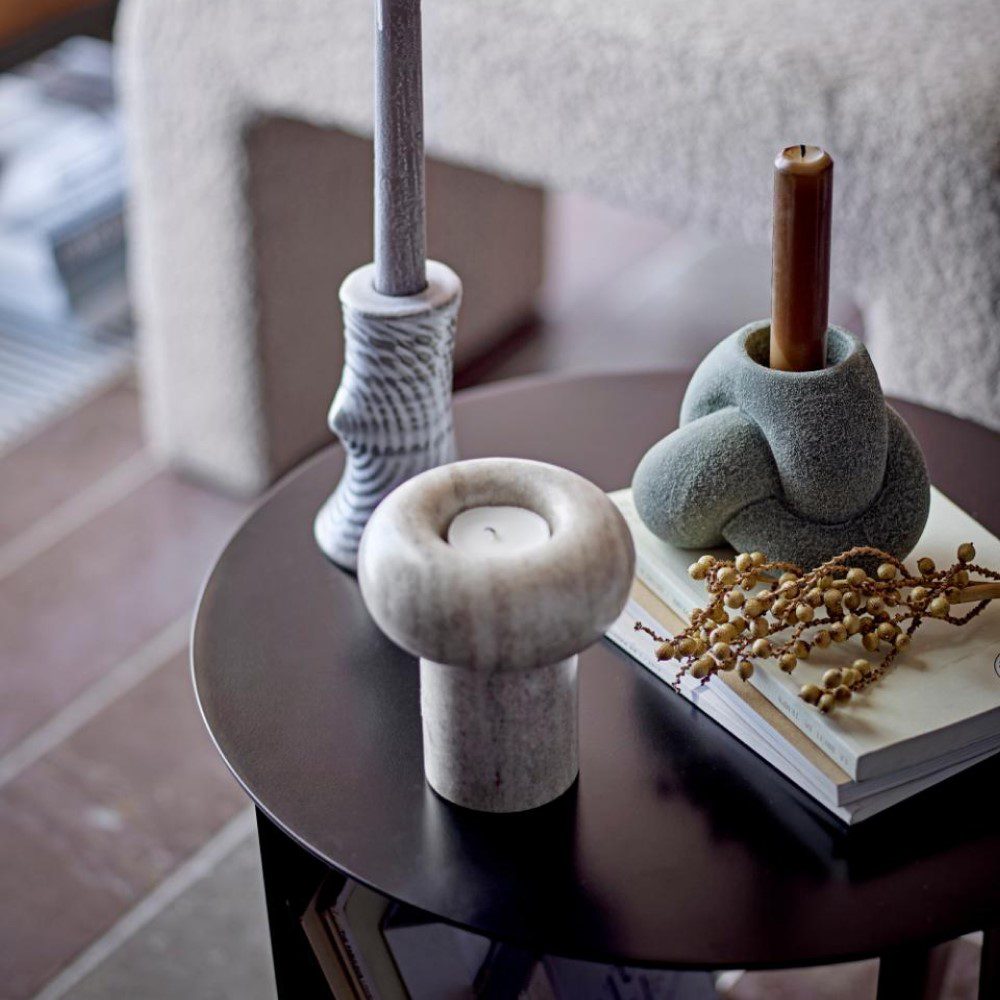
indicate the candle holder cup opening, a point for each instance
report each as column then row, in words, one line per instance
column 497, row 631
column 800, row 464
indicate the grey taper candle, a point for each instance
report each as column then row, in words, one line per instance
column 400, row 230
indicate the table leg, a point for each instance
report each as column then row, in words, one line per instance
column 902, row 975
column 291, row 877
column 989, row 965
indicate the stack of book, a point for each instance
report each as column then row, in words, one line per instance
column 62, row 196
column 371, row 948
column 936, row 713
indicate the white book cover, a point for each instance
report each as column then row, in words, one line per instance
column 749, row 717
column 942, row 699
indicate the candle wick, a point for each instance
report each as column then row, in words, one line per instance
column 493, row 531
column 802, row 150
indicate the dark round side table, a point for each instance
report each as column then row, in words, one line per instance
column 677, row 847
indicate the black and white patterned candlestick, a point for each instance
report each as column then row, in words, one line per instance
column 392, row 411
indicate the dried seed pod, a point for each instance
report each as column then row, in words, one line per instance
column 724, row 633
column 787, row 662
column 793, row 600
column 939, row 607
column 852, row 623
column 832, row 678
column 810, row 693
column 832, row 598
column 887, row 631
column 702, row 667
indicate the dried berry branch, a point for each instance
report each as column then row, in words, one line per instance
column 784, row 613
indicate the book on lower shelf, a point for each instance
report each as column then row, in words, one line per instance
column 935, row 714
column 371, row 948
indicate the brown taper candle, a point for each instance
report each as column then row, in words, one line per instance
column 800, row 258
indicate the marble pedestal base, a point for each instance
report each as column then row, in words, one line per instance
column 500, row 741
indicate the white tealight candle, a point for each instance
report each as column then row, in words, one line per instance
column 485, row 530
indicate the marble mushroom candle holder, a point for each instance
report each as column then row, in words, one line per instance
column 801, row 465
column 496, row 573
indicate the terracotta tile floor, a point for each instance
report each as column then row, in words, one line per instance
column 108, row 782
column 107, row 778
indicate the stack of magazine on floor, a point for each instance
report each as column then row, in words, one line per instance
column 371, row 948
column 935, row 714
column 62, row 196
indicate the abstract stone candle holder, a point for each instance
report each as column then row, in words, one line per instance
column 800, row 465
column 392, row 411
column 498, row 629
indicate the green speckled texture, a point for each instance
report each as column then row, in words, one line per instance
column 800, row 465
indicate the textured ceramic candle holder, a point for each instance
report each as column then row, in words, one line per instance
column 392, row 411
column 800, row 465
column 497, row 634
